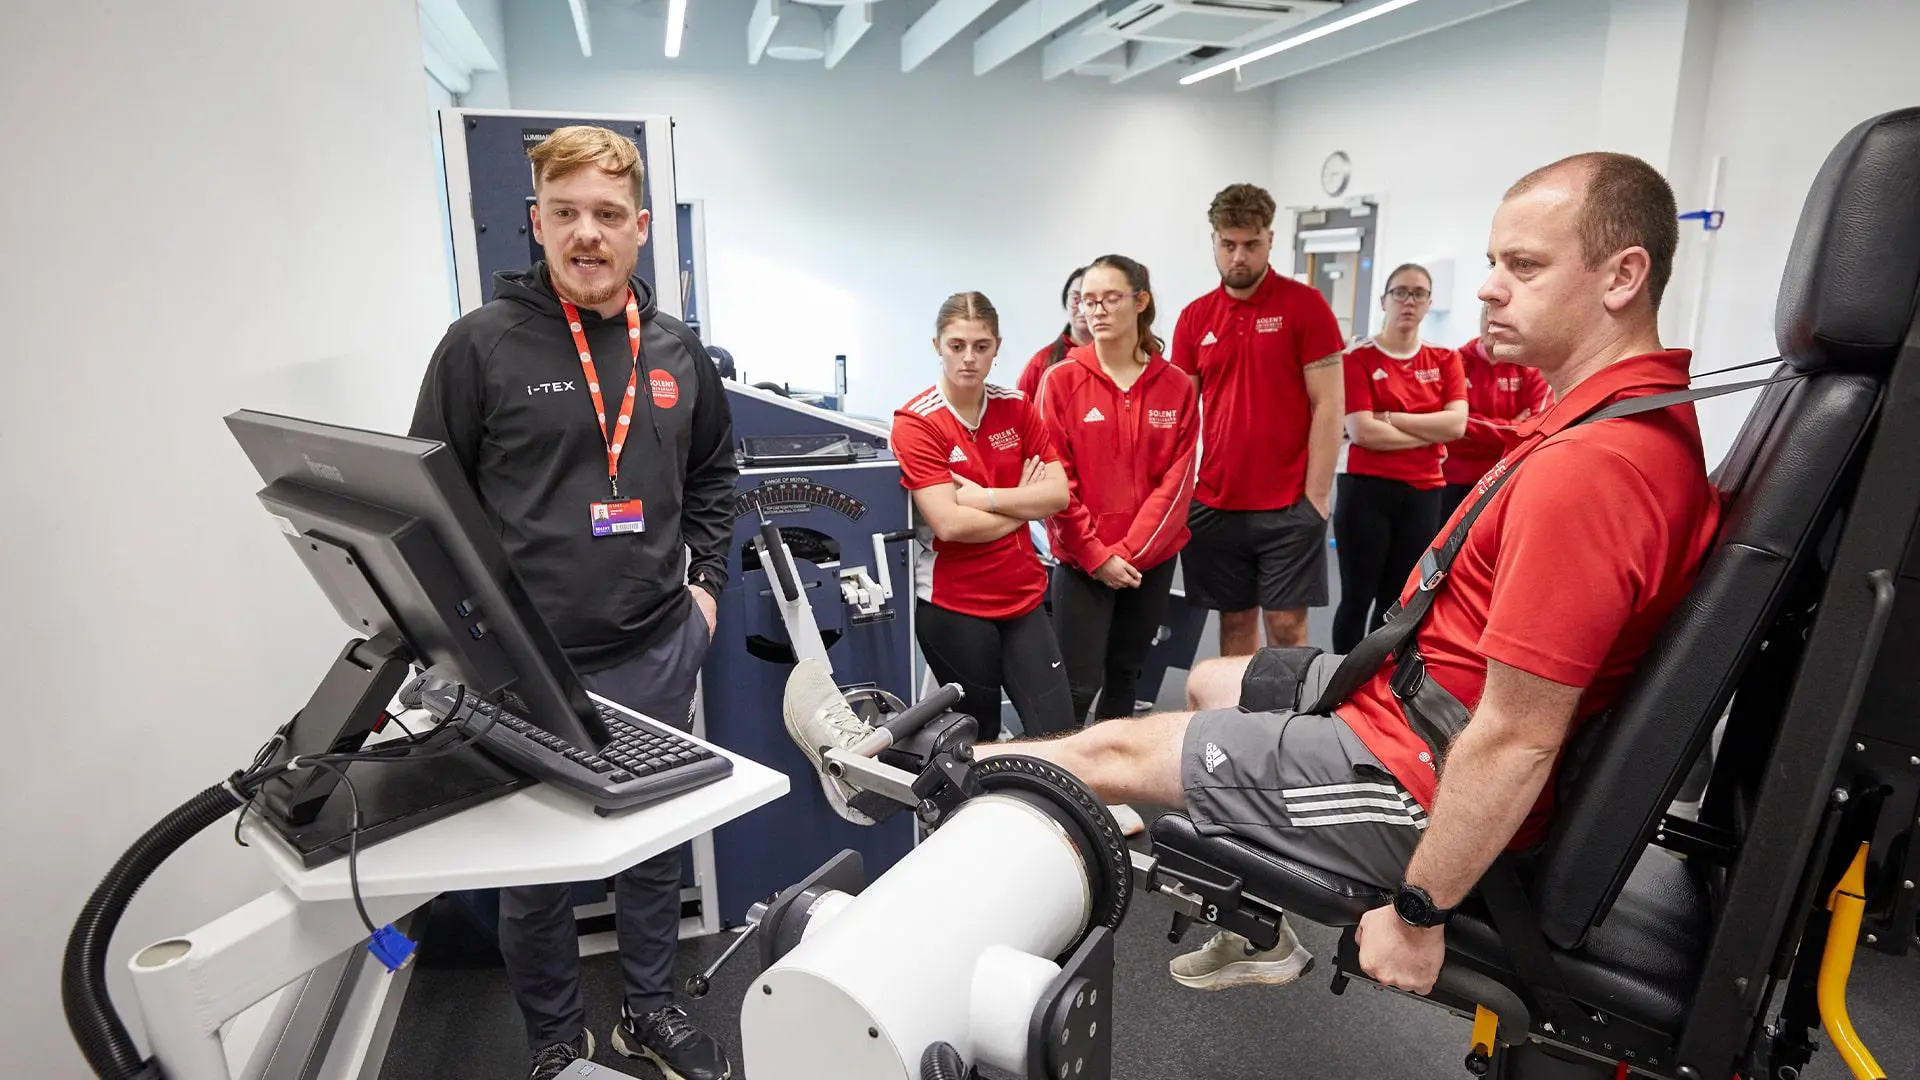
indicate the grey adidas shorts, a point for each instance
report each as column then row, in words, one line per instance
column 1302, row 786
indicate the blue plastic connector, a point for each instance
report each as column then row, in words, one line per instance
column 392, row 948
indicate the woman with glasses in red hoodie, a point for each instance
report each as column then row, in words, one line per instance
column 1124, row 422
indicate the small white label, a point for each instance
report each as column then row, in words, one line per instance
column 286, row 525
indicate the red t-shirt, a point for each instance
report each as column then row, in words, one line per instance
column 1378, row 381
column 1129, row 460
column 1039, row 363
column 1002, row 579
column 1498, row 395
column 1570, row 571
column 1249, row 355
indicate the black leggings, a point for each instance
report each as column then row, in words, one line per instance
column 1105, row 635
column 982, row 655
column 1380, row 529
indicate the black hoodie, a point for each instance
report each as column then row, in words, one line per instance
column 505, row 391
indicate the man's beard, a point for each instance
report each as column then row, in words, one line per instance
column 1240, row 279
column 585, row 295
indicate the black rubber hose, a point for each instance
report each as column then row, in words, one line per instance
column 943, row 1062
column 103, row 1039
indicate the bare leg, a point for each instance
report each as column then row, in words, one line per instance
column 1123, row 761
column 1285, row 627
column 1239, row 632
column 1215, row 684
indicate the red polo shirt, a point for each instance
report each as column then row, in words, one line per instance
column 1250, row 355
column 1424, row 382
column 1001, row 579
column 1038, row 364
column 1498, row 396
column 1570, row 571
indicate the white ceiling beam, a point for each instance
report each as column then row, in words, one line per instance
column 456, row 78
column 766, row 16
column 1145, row 56
column 580, row 30
column 941, row 24
column 1026, row 27
column 849, row 27
column 1077, row 46
column 1405, row 24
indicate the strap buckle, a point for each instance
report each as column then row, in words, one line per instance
column 1431, row 572
column 1409, row 675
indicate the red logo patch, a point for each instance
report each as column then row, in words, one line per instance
column 666, row 392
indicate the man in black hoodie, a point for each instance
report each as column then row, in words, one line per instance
column 618, row 528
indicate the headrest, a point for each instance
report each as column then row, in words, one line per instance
column 1852, row 284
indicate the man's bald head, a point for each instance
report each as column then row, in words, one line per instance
column 1625, row 203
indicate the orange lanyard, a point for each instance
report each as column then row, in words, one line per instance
column 617, row 441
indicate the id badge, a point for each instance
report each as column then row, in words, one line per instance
column 618, row 516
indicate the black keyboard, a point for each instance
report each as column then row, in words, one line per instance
column 643, row 763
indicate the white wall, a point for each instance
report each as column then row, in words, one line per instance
column 211, row 206
column 1790, row 78
column 843, row 206
column 1439, row 126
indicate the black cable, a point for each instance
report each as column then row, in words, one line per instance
column 353, row 837
column 403, row 727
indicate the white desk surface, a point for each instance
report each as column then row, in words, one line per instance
column 532, row 836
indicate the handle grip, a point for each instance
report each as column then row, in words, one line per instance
column 902, row 725
column 776, row 552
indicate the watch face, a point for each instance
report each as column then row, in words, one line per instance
column 1413, row 908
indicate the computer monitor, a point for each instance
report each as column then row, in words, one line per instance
column 395, row 536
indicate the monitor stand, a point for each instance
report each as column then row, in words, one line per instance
column 314, row 812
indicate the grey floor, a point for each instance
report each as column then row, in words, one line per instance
column 461, row 1023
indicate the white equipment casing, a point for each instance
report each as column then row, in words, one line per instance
column 948, row 946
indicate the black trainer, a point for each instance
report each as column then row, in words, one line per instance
column 669, row 1040
column 551, row 1061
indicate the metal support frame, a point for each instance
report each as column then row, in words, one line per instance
column 189, row 987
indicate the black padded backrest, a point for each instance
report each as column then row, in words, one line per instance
column 1852, row 283
column 1780, row 486
column 1847, row 302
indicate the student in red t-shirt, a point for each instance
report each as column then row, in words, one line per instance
column 1405, row 401
column 1072, row 336
column 1562, row 584
column 1124, row 422
column 976, row 458
column 1499, row 396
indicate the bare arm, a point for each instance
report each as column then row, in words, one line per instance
column 1368, row 430
column 1326, row 397
column 960, row 524
column 1492, row 776
column 1435, row 427
column 1043, row 492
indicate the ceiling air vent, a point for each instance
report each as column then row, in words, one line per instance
column 1224, row 24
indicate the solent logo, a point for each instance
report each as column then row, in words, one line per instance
column 1509, row 383
column 1004, row 440
column 552, row 387
column 1268, row 325
column 1426, row 375
column 1094, row 416
column 1163, row 418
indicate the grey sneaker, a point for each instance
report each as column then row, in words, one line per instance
column 1227, row 960
column 550, row 1061
column 819, row 719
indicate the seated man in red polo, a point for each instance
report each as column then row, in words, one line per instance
column 1591, row 538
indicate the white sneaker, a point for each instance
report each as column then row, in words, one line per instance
column 1226, row 961
column 1128, row 819
column 819, row 719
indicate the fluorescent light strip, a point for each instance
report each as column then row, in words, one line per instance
column 1284, row 44
column 676, row 26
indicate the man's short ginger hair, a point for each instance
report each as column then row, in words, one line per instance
column 1241, row 206
column 570, row 149
column 1624, row 203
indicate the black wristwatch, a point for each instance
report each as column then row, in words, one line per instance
column 1416, row 908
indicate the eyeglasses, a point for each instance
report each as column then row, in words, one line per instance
column 1403, row 294
column 1105, row 301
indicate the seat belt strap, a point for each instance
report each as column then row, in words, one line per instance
column 1526, row 945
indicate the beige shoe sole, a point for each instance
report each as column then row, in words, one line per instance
column 1251, row 972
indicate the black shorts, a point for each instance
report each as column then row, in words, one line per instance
column 1242, row 559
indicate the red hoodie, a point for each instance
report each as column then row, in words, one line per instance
column 1129, row 457
column 1038, row 364
column 1498, row 396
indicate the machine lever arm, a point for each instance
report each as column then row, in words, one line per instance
column 904, row 723
column 698, row 985
column 776, row 552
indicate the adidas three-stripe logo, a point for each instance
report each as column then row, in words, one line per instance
column 957, row 455
column 1344, row 804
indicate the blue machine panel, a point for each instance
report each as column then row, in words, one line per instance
column 828, row 515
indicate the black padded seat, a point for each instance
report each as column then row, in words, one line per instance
column 1640, row 964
